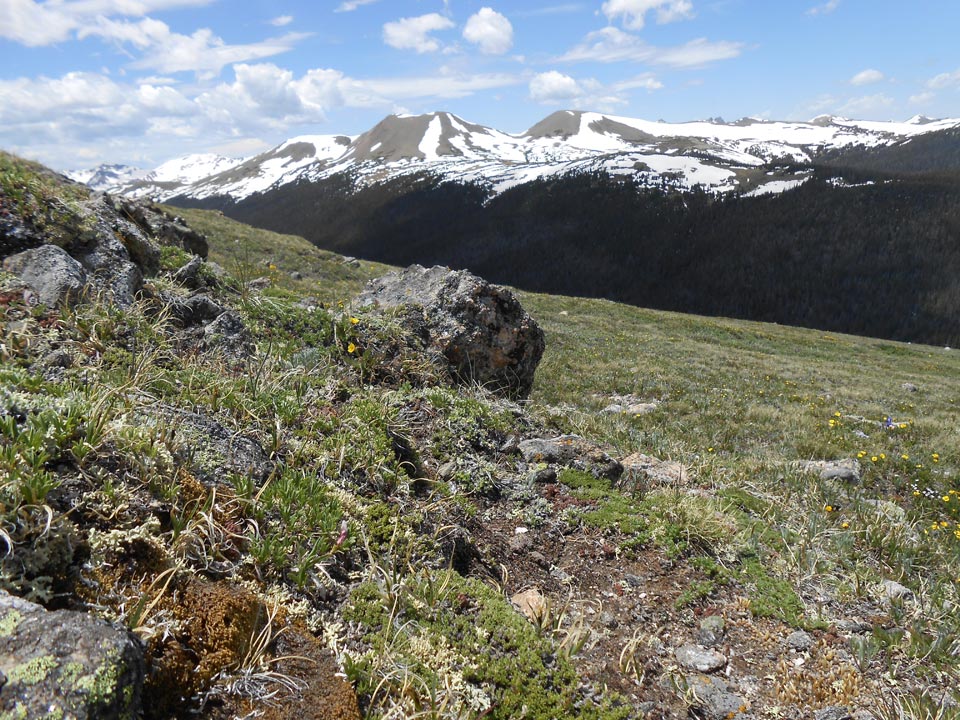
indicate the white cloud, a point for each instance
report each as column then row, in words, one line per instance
column 438, row 86
column 825, row 9
column 922, row 98
column 866, row 77
column 613, row 45
column 633, row 12
column 490, row 31
column 282, row 20
column 553, row 87
column 645, row 82
column 351, row 5
column 866, row 105
column 413, row 33
column 944, row 80
column 33, row 23
column 562, row 9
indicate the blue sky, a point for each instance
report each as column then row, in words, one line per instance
column 141, row 81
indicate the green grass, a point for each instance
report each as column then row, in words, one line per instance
column 356, row 422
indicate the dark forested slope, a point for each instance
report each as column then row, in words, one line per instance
column 860, row 250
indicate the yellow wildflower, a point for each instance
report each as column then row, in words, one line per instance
column 351, row 348
column 354, row 320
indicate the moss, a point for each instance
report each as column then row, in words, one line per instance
column 19, row 712
column 9, row 623
column 772, row 597
column 33, row 671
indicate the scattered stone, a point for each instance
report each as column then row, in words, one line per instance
column 531, row 603
column 701, row 659
column 834, row 712
column 66, row 664
column 208, row 448
column 608, row 620
column 296, row 275
column 571, row 450
column 847, row 469
column 711, row 631
column 799, row 640
column 633, row 580
column 892, row 590
column 189, row 274
column 629, row 405
column 194, row 310
column 481, row 329
column 447, row 470
column 909, row 387
column 521, row 543
column 712, row 698
column 351, row 261
column 854, row 627
column 228, row 334
column 539, row 559
column 258, row 284
column 890, row 510
column 543, row 475
column 56, row 277
column 640, row 472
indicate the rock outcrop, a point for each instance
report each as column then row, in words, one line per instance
column 66, row 664
column 481, row 329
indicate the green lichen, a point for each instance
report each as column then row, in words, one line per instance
column 9, row 623
column 33, row 671
column 19, row 712
column 101, row 686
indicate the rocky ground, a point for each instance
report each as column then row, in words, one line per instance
column 225, row 494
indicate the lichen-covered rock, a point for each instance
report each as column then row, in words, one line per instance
column 209, row 449
column 481, row 329
column 229, row 335
column 170, row 230
column 711, row 698
column 50, row 271
column 66, row 664
column 641, row 472
column 572, row 451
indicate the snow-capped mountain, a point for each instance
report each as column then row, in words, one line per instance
column 749, row 155
column 107, row 178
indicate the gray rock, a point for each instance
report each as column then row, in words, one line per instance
column 847, row 469
column 66, row 664
column 571, row 450
column 712, row 699
column 211, row 450
column 711, row 631
column 893, row 590
column 481, row 329
column 260, row 283
column 164, row 227
column 641, row 472
column 834, row 712
column 108, row 261
column 296, row 275
column 608, row 619
column 189, row 274
column 909, row 387
column 701, row 659
column 799, row 640
column 543, row 475
column 55, row 276
column 521, row 543
column 228, row 334
column 194, row 310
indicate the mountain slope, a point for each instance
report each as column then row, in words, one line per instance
column 715, row 156
column 691, row 516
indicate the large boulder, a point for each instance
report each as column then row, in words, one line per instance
column 55, row 276
column 66, row 664
column 481, row 329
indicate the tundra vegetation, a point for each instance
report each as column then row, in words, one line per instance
column 325, row 501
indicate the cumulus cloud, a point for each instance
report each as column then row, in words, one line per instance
column 633, row 12
column 556, row 88
column 866, row 77
column 351, row 5
column 866, row 105
column 282, row 20
column 825, row 9
column 490, row 31
column 611, row 44
column 33, row 23
column 413, row 33
column 944, row 80
column 553, row 86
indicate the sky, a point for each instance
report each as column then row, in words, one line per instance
column 137, row 82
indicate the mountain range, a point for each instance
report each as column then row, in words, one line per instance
column 747, row 156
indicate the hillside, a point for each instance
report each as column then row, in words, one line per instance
column 690, row 515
